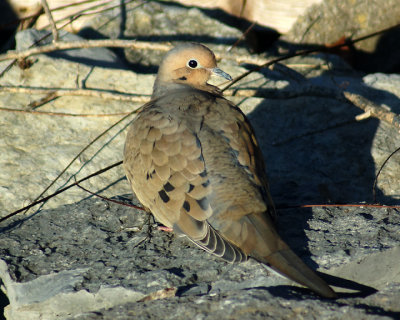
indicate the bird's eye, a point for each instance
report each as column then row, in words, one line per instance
column 192, row 63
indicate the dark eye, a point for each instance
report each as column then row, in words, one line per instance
column 192, row 63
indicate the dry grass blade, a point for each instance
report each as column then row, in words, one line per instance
column 379, row 172
column 320, row 48
column 36, row 202
column 108, row 199
column 242, row 36
column 91, row 10
column 98, row 93
column 51, row 20
column 62, row 114
column 138, row 45
column 76, row 157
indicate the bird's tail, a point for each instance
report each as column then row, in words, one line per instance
column 274, row 252
column 289, row 264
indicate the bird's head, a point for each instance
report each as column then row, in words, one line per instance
column 192, row 64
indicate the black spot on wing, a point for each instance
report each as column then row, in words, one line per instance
column 186, row 206
column 163, row 196
column 168, row 187
column 191, row 187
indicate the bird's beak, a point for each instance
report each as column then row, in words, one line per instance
column 220, row 73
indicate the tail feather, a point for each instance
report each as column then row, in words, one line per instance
column 272, row 250
column 289, row 264
column 214, row 243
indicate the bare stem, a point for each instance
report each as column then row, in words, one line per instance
column 98, row 93
column 373, row 109
column 51, row 20
column 114, row 43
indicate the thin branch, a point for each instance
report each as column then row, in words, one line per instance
column 87, row 12
column 110, row 200
column 243, row 35
column 29, row 22
column 80, row 3
column 51, row 20
column 103, row 8
column 312, row 132
column 33, row 45
column 373, row 109
column 97, row 93
column 63, row 114
column 33, row 15
column 380, row 170
column 320, row 48
column 112, row 43
column 7, row 68
column 36, row 202
column 81, row 152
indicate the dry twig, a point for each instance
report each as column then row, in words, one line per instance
column 112, row 43
column 51, row 20
column 108, row 199
column 97, row 93
column 89, row 10
column 36, row 202
column 379, row 172
column 63, row 114
column 73, row 160
column 372, row 109
column 321, row 48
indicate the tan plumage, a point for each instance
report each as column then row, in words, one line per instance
column 192, row 159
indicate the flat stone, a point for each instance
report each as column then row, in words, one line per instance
column 80, row 257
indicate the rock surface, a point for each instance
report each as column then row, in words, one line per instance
column 85, row 258
column 96, row 260
column 330, row 21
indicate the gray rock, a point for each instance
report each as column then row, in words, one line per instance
column 37, row 147
column 107, row 258
column 84, row 258
column 161, row 22
column 101, row 57
column 329, row 21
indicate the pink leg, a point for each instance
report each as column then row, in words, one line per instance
column 166, row 229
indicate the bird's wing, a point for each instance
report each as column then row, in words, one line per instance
column 164, row 163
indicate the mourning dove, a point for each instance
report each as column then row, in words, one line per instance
column 193, row 160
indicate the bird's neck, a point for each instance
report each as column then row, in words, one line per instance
column 162, row 88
